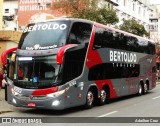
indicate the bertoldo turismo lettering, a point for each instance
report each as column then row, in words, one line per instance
column 43, row 27
column 127, row 57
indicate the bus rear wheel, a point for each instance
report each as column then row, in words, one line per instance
column 89, row 99
column 145, row 88
column 104, row 96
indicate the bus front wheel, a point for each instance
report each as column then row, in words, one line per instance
column 140, row 89
column 89, row 99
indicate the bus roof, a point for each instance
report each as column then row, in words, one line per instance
column 66, row 18
column 97, row 24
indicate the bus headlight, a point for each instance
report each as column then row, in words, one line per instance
column 14, row 92
column 58, row 93
column 55, row 103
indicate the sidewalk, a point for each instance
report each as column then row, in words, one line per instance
column 4, row 106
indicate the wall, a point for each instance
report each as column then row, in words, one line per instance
column 8, row 39
column 1, row 3
column 2, row 49
column 35, row 11
column 6, row 45
column 10, row 35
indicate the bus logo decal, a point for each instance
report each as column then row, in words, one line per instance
column 44, row 27
column 119, row 56
column 72, row 83
column 38, row 47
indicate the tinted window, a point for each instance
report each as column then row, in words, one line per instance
column 113, row 71
column 80, row 33
column 105, row 38
column 73, row 63
column 43, row 36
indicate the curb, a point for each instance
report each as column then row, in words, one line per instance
column 3, row 112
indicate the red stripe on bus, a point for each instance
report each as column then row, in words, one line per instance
column 61, row 52
column 45, row 91
column 101, row 83
column 93, row 56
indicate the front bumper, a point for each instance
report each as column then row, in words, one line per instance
column 50, row 103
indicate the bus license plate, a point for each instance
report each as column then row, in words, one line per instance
column 31, row 104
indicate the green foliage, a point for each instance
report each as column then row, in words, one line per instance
column 87, row 10
column 134, row 27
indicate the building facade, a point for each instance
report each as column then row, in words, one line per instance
column 134, row 9
column 126, row 9
column 154, row 24
column 10, row 9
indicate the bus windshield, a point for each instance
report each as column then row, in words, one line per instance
column 44, row 35
column 39, row 72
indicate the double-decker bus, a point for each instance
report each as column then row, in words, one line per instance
column 69, row 62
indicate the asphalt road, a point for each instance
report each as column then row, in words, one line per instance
column 132, row 106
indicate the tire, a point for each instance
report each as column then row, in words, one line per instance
column 140, row 90
column 89, row 99
column 104, row 97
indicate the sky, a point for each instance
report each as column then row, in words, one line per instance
column 154, row 1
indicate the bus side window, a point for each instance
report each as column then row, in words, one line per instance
column 72, row 39
column 105, row 38
column 80, row 33
column 98, row 39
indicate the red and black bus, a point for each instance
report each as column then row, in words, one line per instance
column 69, row 62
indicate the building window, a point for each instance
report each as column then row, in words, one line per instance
column 16, row 11
column 124, row 3
column 139, row 10
column 144, row 13
column 133, row 6
column 109, row 5
column 48, row 5
column 6, row 10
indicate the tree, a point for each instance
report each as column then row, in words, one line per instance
column 87, row 10
column 134, row 27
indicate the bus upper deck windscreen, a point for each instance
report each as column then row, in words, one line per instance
column 44, row 35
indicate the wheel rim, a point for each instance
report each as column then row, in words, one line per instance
column 90, row 98
column 140, row 89
column 145, row 88
column 103, row 95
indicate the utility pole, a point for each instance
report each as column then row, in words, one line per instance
column 1, row 9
